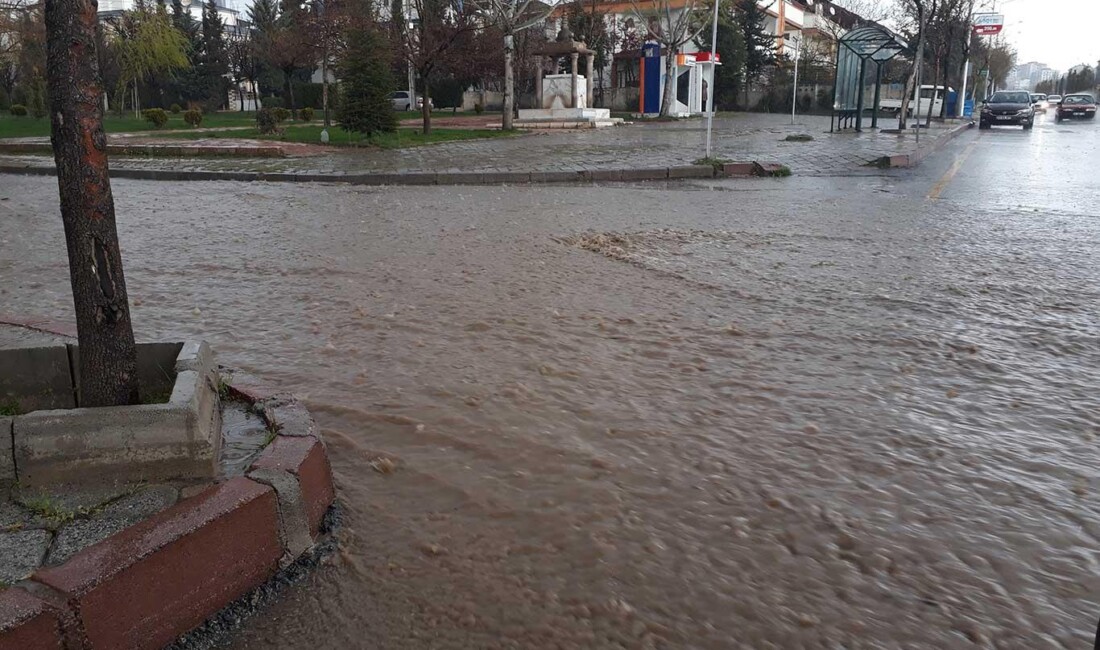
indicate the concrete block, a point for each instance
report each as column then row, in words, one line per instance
column 28, row 623
column 691, row 171
column 36, row 378
column 21, row 553
column 465, row 178
column 737, row 169
column 306, row 459
column 482, row 178
column 151, row 442
column 7, row 458
column 146, row 585
column 294, row 527
column 554, row 177
column 644, row 174
column 195, row 355
column 290, row 417
column 605, row 175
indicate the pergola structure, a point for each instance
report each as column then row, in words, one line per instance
column 874, row 44
column 566, row 46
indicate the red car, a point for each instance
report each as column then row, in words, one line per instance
column 1075, row 107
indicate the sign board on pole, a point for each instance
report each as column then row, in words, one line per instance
column 988, row 24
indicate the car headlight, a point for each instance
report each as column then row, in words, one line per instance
column 1023, row 111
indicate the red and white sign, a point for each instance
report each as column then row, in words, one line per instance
column 988, row 24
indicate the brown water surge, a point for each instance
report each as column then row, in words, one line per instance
column 749, row 426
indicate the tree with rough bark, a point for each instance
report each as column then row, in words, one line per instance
column 511, row 17
column 108, row 354
column 672, row 24
column 429, row 38
column 286, row 44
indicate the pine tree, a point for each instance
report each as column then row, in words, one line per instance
column 213, row 59
column 366, row 84
column 758, row 43
column 731, row 50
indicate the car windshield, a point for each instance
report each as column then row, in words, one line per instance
column 1010, row 98
column 1038, row 98
column 1077, row 99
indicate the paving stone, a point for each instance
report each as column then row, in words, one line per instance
column 145, row 586
column 21, row 552
column 79, row 534
column 743, row 136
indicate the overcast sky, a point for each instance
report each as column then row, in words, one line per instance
column 1059, row 33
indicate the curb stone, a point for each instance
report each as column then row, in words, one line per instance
column 202, row 559
column 399, row 178
column 914, row 158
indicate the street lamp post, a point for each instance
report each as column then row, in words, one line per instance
column 794, row 89
column 713, row 73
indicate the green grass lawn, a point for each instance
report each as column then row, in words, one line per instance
column 405, row 137
column 22, row 127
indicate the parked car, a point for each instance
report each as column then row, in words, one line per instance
column 933, row 94
column 401, row 102
column 1077, row 106
column 1039, row 102
column 1053, row 100
column 1008, row 107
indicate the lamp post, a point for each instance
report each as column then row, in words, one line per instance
column 797, row 56
column 713, row 73
column 794, row 88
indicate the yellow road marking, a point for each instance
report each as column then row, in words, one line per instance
column 942, row 184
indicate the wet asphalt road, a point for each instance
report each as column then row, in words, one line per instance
column 829, row 412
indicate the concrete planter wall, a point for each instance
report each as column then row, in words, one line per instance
column 53, row 440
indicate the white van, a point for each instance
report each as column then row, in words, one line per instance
column 933, row 94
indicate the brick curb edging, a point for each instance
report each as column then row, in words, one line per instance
column 415, row 178
column 914, row 158
column 149, row 584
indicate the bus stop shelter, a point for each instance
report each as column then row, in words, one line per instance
column 871, row 45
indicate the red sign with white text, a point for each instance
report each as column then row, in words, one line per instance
column 988, row 24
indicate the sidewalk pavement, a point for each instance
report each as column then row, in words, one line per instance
column 741, row 137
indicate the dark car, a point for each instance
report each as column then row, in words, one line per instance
column 1008, row 107
column 1077, row 106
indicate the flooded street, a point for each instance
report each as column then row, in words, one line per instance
column 798, row 413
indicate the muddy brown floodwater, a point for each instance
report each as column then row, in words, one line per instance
column 648, row 417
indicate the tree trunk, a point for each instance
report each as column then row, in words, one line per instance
column 509, row 85
column 108, row 356
column 670, row 85
column 324, row 87
column 137, row 102
column 289, row 88
column 426, row 106
column 931, row 102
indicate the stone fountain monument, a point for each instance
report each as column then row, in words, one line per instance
column 561, row 101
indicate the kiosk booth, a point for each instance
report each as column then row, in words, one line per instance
column 693, row 81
